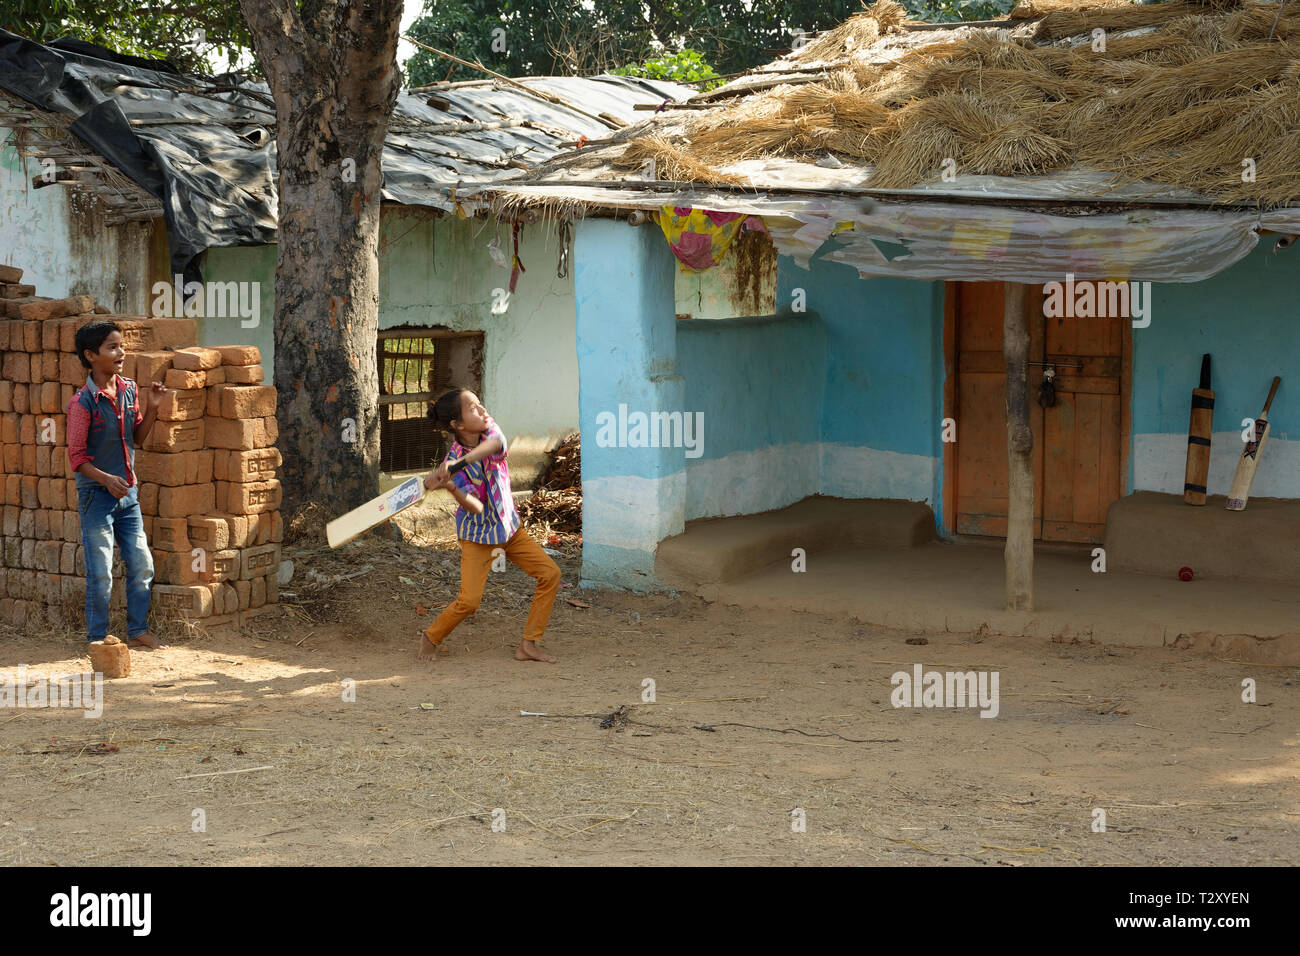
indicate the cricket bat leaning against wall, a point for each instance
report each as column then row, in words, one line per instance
column 1198, row 438
column 1239, row 493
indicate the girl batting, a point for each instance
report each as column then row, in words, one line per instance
column 476, row 474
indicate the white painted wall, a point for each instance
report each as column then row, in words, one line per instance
column 59, row 239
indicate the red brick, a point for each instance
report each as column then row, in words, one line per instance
column 6, row 396
column 273, row 587
column 194, row 601
column 27, row 429
column 174, row 567
column 41, row 524
column 248, row 497
column 224, row 565
column 246, row 401
column 10, row 274
column 49, row 556
column 128, row 366
column 22, row 398
column 259, row 562
column 148, row 497
column 17, row 367
column 231, row 433
column 72, row 523
column 16, row 290
column 198, row 466
column 239, row 354
column 209, row 532
column 179, row 379
column 170, row 534
column 10, row 307
column 50, row 335
column 269, row 432
column 14, row 493
column 186, row 500
column 71, row 371
column 29, row 497
column 56, row 308
column 258, row 596
column 244, row 589
column 258, row 464
column 150, row 366
column 29, row 459
column 138, row 335
column 239, row 527
column 9, row 431
column 176, row 333
column 31, row 336
column 161, row 468
column 264, row 527
column 244, row 374
column 181, row 405
column 50, row 397
column 177, row 436
column 196, row 359
column 68, row 558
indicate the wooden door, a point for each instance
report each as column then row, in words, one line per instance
column 1077, row 442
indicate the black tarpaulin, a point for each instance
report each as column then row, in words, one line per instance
column 205, row 146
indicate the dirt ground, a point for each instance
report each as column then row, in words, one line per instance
column 412, row 770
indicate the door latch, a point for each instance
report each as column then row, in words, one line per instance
column 1047, row 390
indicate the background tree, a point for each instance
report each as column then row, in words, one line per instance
column 196, row 36
column 584, row 37
column 332, row 69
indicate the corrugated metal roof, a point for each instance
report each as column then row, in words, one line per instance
column 204, row 147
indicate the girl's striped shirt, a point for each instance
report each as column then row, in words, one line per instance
column 488, row 481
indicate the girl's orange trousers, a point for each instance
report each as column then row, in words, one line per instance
column 475, row 565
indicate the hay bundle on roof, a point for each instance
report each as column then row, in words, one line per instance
column 1072, row 21
column 672, row 163
column 1034, row 9
column 1182, row 102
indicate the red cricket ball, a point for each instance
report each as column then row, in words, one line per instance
column 1184, row 573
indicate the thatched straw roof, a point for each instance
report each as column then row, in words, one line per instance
column 1200, row 98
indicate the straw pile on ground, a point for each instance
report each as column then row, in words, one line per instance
column 1182, row 93
column 556, row 501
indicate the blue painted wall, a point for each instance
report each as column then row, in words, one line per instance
column 1248, row 319
column 758, row 380
column 883, row 401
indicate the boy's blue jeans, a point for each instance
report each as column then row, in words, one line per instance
column 103, row 519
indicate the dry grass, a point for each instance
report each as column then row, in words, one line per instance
column 1183, row 103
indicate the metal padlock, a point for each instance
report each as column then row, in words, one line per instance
column 1047, row 390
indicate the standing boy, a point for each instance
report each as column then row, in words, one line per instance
column 105, row 423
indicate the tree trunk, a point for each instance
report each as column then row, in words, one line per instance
column 332, row 69
column 1020, row 454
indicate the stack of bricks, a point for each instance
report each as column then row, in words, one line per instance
column 208, row 492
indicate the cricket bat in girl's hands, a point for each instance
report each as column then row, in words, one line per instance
column 379, row 509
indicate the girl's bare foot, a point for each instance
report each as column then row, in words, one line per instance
column 146, row 640
column 532, row 651
column 428, row 650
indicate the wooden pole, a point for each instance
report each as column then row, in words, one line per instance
column 1020, row 454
